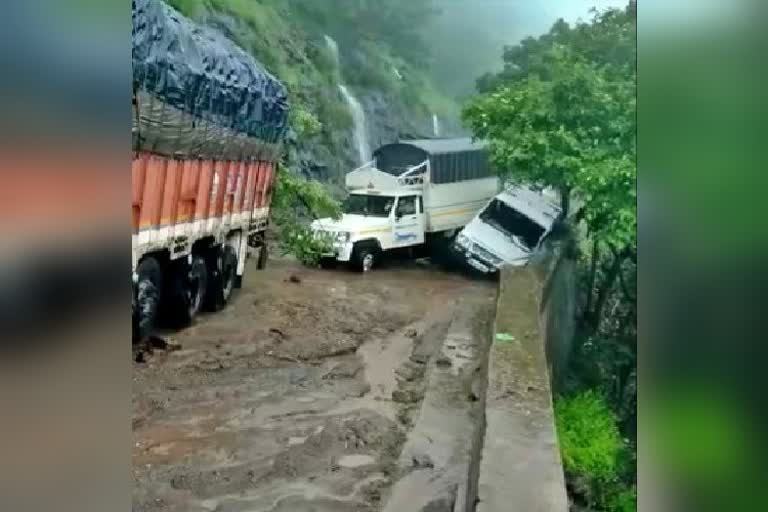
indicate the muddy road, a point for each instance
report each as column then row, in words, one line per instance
column 300, row 395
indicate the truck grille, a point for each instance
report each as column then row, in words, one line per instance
column 486, row 255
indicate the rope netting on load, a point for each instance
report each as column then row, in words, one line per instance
column 198, row 95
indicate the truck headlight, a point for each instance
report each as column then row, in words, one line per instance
column 343, row 236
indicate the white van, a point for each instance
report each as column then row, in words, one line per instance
column 508, row 230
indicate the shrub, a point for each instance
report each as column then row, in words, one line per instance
column 304, row 122
column 593, row 451
column 297, row 199
column 298, row 239
column 624, row 500
column 589, row 438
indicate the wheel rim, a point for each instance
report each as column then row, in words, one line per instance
column 368, row 260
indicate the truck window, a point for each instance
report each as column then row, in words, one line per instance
column 512, row 223
column 369, row 206
column 406, row 206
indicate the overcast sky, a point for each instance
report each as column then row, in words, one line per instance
column 469, row 37
column 541, row 14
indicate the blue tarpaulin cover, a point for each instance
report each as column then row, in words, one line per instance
column 197, row 94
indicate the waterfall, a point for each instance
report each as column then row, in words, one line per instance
column 333, row 48
column 360, row 134
column 435, row 125
column 358, row 119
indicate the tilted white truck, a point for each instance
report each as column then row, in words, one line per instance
column 414, row 194
column 508, row 230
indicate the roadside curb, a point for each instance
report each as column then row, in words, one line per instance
column 520, row 467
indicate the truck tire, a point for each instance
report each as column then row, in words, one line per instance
column 187, row 292
column 261, row 264
column 148, row 290
column 365, row 257
column 222, row 266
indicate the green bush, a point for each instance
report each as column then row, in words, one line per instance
column 304, row 122
column 296, row 200
column 589, row 438
column 593, row 451
column 298, row 239
column 624, row 500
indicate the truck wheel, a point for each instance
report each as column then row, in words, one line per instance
column 148, row 288
column 188, row 291
column 365, row 258
column 223, row 266
column 261, row 264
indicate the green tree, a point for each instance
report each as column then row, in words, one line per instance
column 562, row 115
column 608, row 40
column 573, row 131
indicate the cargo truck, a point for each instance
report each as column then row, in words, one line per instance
column 208, row 127
column 414, row 196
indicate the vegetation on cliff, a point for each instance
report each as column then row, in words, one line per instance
column 383, row 57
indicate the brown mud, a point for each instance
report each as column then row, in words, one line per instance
column 297, row 397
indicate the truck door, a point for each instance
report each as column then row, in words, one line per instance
column 409, row 222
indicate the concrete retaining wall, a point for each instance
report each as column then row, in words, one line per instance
column 520, row 469
column 557, row 306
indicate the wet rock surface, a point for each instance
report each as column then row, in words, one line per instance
column 286, row 400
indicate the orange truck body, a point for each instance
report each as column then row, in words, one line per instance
column 177, row 203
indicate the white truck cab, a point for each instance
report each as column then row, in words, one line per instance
column 508, row 230
column 408, row 196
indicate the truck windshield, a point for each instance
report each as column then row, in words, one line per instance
column 512, row 223
column 370, row 206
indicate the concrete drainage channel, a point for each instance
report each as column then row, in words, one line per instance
column 441, row 456
column 484, row 438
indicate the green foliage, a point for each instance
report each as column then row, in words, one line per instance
column 189, row 8
column 608, row 41
column 336, row 114
column 562, row 115
column 397, row 24
column 604, row 363
column 265, row 33
column 624, row 500
column 295, row 201
column 298, row 239
column 292, row 190
column 589, row 438
column 304, row 122
column 592, row 449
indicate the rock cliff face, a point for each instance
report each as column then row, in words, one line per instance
column 396, row 97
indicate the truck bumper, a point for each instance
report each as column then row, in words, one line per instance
column 476, row 261
column 341, row 252
column 478, row 265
